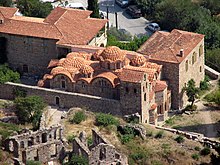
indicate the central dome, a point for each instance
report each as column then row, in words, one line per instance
column 113, row 53
column 75, row 62
column 138, row 60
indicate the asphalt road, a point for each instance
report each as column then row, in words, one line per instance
column 134, row 26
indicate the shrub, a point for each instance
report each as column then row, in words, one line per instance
column 78, row 160
column 204, row 85
column 205, row 151
column 89, row 141
column 179, row 139
column 195, row 156
column 32, row 162
column 213, row 97
column 106, row 119
column 78, row 117
column 159, row 134
column 190, row 108
column 126, row 138
column 197, row 148
column 6, row 74
column 70, row 138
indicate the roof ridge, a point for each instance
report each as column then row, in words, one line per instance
column 60, row 17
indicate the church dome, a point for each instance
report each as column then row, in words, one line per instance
column 113, row 53
column 75, row 62
column 138, row 60
column 86, row 69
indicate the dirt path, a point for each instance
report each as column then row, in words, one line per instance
column 205, row 113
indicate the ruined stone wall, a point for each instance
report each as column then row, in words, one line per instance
column 66, row 99
column 36, row 53
column 42, row 145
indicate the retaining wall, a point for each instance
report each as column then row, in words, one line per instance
column 66, row 99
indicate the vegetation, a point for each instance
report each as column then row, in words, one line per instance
column 195, row 156
column 214, row 97
column 106, row 120
column 29, row 109
column 204, row 85
column 78, row 117
column 6, row 3
column 70, row 138
column 78, row 160
column 179, row 139
column 32, row 162
column 190, row 108
column 94, row 7
column 159, row 134
column 126, row 134
column 118, row 38
column 191, row 91
column 205, row 151
column 34, row 8
column 6, row 129
column 7, row 74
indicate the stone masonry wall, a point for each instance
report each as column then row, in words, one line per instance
column 66, row 99
column 36, row 53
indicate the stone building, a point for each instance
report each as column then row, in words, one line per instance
column 181, row 54
column 30, row 43
column 114, row 74
column 42, row 145
column 100, row 152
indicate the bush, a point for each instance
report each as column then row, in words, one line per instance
column 213, row 97
column 126, row 138
column 197, row 148
column 190, row 108
column 6, row 74
column 32, row 162
column 70, row 138
column 78, row 117
column 78, row 160
column 205, row 151
column 159, row 134
column 195, row 156
column 106, row 119
column 179, row 139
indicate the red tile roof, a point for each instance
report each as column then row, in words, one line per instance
column 68, row 26
column 160, row 86
column 128, row 75
column 166, row 46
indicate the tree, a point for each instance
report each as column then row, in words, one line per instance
column 34, row 8
column 94, row 7
column 29, row 109
column 78, row 160
column 191, row 91
column 6, row 3
column 6, row 74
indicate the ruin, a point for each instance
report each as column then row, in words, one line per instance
column 100, row 152
column 43, row 145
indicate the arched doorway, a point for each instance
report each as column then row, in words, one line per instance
column 57, row 101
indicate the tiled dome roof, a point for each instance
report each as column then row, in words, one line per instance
column 138, row 60
column 97, row 54
column 61, row 70
column 113, row 53
column 83, row 55
column 86, row 69
column 75, row 62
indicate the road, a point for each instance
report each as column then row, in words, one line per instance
column 134, row 26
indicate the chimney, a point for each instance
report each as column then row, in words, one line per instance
column 181, row 53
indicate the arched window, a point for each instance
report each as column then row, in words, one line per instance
column 187, row 65
column 126, row 89
column 118, row 65
column 63, row 84
column 108, row 65
column 135, row 90
column 145, row 97
column 25, row 68
column 200, row 50
column 200, row 68
column 194, row 58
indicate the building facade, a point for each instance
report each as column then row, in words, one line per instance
column 181, row 54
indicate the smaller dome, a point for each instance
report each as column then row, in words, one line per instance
column 113, row 53
column 138, row 60
column 75, row 62
column 60, row 62
column 97, row 54
column 86, row 69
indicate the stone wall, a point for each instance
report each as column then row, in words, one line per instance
column 42, row 145
column 34, row 52
column 65, row 99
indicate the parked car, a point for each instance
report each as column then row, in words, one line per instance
column 75, row 6
column 122, row 3
column 134, row 11
column 153, row 27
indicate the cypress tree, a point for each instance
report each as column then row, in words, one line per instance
column 94, row 7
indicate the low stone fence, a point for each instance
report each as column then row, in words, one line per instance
column 211, row 73
column 63, row 98
column 193, row 136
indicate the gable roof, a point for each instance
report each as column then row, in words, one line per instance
column 165, row 46
column 68, row 26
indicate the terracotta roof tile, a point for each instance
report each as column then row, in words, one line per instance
column 86, row 69
column 113, row 53
column 68, row 26
column 110, row 76
column 166, row 46
column 53, row 63
column 160, row 86
column 128, row 75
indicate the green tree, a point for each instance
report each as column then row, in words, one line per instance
column 191, row 91
column 34, row 8
column 6, row 3
column 29, row 109
column 7, row 74
column 94, row 7
column 212, row 5
column 78, row 160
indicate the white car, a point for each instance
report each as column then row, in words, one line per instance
column 122, row 3
column 153, row 27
